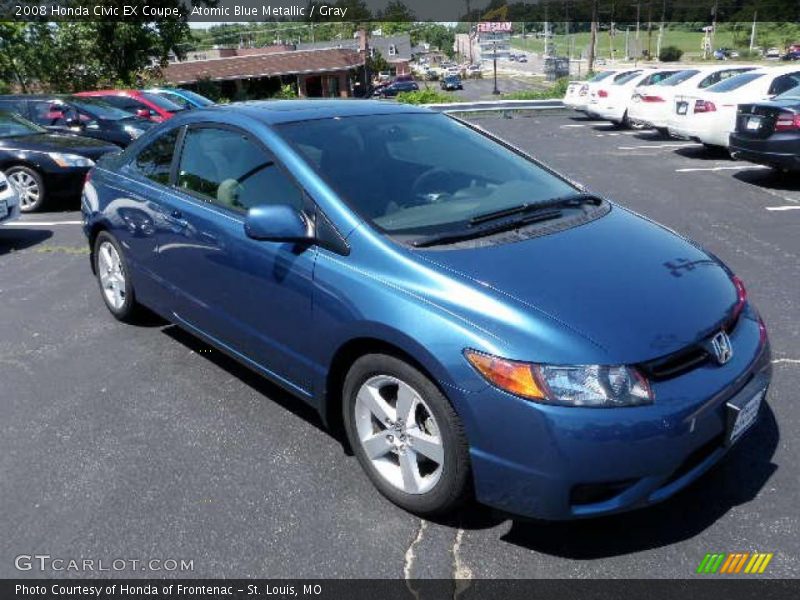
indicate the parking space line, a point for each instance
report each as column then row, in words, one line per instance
column 795, row 207
column 572, row 125
column 41, row 223
column 655, row 146
column 737, row 168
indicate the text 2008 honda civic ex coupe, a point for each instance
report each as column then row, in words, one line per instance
column 476, row 322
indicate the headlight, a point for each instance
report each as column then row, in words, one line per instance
column 132, row 131
column 596, row 386
column 70, row 160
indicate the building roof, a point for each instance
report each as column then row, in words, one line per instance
column 264, row 65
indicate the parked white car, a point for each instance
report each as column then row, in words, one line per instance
column 578, row 92
column 595, row 87
column 9, row 200
column 655, row 103
column 613, row 100
column 710, row 117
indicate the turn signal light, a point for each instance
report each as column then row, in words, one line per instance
column 510, row 375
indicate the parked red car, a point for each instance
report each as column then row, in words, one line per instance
column 142, row 104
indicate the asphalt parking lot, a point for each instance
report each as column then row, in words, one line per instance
column 141, row 442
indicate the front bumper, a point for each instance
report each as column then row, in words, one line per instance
column 556, row 463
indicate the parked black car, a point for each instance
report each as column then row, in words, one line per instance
column 768, row 133
column 451, row 82
column 791, row 55
column 45, row 165
column 391, row 90
column 90, row 117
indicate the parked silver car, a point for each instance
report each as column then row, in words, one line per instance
column 9, row 200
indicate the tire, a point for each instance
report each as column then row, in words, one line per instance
column 663, row 131
column 423, row 468
column 30, row 185
column 113, row 277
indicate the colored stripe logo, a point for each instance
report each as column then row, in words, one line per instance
column 734, row 563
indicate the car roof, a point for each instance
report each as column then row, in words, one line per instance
column 285, row 111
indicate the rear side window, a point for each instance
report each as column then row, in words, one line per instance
column 784, row 83
column 600, row 76
column 718, row 76
column 679, row 77
column 626, row 78
column 155, row 161
column 655, row 78
column 226, row 168
column 734, row 83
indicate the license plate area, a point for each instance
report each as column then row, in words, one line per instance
column 3, row 208
column 753, row 124
column 742, row 414
column 682, row 108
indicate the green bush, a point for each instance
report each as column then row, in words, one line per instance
column 670, row 54
column 287, row 92
column 424, row 96
column 555, row 91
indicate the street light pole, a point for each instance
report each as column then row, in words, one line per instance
column 494, row 56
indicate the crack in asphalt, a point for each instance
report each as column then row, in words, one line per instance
column 462, row 574
column 408, row 560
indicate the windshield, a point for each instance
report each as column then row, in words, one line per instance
column 792, row 94
column 12, row 125
column 418, row 174
column 196, row 98
column 161, row 102
column 678, row 77
column 734, row 83
column 98, row 109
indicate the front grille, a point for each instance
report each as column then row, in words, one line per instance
column 682, row 361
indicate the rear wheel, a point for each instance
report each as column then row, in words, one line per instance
column 113, row 277
column 406, row 435
column 30, row 186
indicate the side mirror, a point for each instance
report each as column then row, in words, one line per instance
column 277, row 223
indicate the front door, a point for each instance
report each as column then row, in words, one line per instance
column 252, row 296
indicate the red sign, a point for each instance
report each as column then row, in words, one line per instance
column 492, row 27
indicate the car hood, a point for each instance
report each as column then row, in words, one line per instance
column 624, row 283
column 54, row 142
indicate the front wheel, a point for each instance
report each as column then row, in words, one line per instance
column 113, row 277
column 406, row 435
column 30, row 186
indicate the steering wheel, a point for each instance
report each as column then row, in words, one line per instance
column 422, row 183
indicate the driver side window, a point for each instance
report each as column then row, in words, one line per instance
column 226, row 168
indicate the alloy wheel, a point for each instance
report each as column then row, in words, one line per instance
column 28, row 187
column 112, row 277
column 399, row 434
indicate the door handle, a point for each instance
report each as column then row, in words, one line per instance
column 176, row 218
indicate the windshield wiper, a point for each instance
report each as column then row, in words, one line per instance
column 569, row 200
column 470, row 234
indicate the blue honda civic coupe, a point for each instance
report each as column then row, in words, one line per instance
column 477, row 324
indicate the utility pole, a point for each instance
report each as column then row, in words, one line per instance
column 592, row 38
column 714, row 22
column 661, row 29
column 650, row 29
column 494, row 56
column 753, row 32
